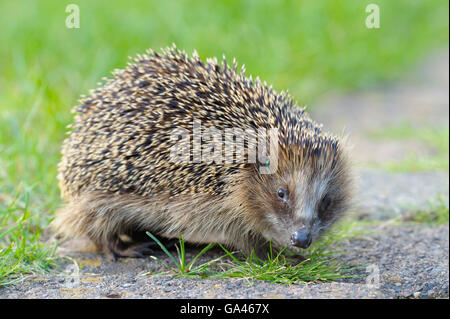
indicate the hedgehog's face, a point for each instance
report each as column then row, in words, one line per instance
column 301, row 204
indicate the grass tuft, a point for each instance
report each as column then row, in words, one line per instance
column 21, row 251
column 284, row 269
column 181, row 268
column 321, row 264
column 437, row 213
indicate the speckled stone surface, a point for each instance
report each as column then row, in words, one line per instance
column 398, row 262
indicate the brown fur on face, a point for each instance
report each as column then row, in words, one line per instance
column 317, row 194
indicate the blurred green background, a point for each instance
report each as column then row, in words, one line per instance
column 306, row 47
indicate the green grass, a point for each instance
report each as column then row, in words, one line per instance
column 21, row 251
column 307, row 47
column 181, row 267
column 437, row 138
column 437, row 213
column 321, row 263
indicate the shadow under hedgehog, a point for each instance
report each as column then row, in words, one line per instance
column 119, row 179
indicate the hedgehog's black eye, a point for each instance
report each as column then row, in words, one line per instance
column 281, row 193
column 325, row 205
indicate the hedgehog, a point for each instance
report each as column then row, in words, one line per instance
column 120, row 179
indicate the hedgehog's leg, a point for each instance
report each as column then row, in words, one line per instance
column 115, row 247
column 253, row 244
column 136, row 245
column 115, row 223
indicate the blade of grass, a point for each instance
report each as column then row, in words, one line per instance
column 230, row 254
column 164, row 249
column 204, row 250
column 182, row 254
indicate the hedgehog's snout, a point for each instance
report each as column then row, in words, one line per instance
column 301, row 238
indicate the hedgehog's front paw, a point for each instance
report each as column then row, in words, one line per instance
column 139, row 250
column 124, row 246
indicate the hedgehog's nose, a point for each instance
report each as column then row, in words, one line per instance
column 301, row 238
